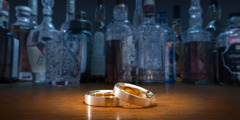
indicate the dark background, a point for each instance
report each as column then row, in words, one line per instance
column 89, row 6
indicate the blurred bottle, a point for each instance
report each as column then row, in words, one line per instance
column 215, row 28
column 85, row 29
column 8, row 69
column 228, row 52
column 5, row 7
column 177, row 27
column 120, row 46
column 138, row 13
column 21, row 29
column 33, row 4
column 168, row 37
column 149, row 47
column 69, row 15
column 196, row 51
column 38, row 40
column 98, row 58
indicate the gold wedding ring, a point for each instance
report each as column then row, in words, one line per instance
column 134, row 94
column 104, row 98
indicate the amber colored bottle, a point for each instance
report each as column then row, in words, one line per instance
column 21, row 29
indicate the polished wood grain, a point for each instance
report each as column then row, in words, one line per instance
column 22, row 101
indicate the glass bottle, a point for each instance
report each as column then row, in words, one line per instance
column 215, row 28
column 98, row 58
column 75, row 40
column 177, row 27
column 21, row 29
column 168, row 37
column 138, row 13
column 228, row 52
column 37, row 41
column 33, row 4
column 149, row 47
column 69, row 15
column 196, row 53
column 86, row 35
column 7, row 73
column 120, row 46
column 4, row 5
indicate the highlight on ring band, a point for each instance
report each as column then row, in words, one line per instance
column 104, row 98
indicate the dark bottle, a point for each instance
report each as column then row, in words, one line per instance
column 98, row 55
column 177, row 27
column 85, row 34
column 21, row 29
column 120, row 46
column 228, row 52
column 7, row 74
column 196, row 51
column 215, row 28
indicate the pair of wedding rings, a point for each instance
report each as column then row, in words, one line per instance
column 126, row 92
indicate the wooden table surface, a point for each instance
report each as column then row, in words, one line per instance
column 22, row 101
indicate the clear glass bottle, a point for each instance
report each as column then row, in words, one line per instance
column 98, row 58
column 7, row 74
column 86, row 35
column 120, row 46
column 69, row 15
column 4, row 5
column 21, row 29
column 215, row 28
column 37, row 41
column 168, row 37
column 33, row 4
column 196, row 53
column 149, row 47
column 177, row 27
column 138, row 13
column 228, row 52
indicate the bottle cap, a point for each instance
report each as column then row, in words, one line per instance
column 176, row 11
column 23, row 10
column 149, row 6
column 80, row 22
column 4, row 12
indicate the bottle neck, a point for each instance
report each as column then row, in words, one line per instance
column 195, row 21
column 70, row 11
column 100, row 14
column 47, row 22
column 120, row 13
column 138, row 5
column 214, row 13
column 149, row 19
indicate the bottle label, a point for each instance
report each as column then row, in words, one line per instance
column 37, row 60
column 98, row 59
column 71, row 6
column 15, row 58
column 25, row 76
column 231, row 58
